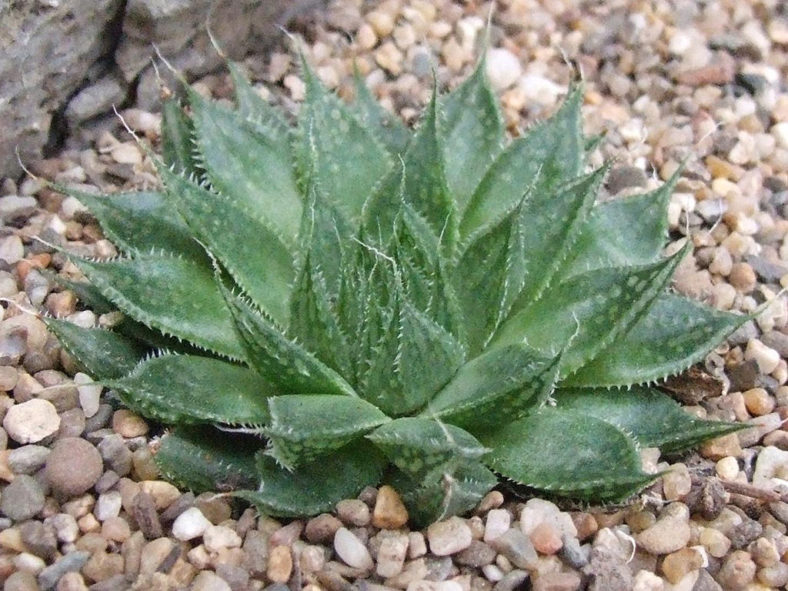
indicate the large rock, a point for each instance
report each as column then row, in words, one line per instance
column 78, row 58
column 46, row 52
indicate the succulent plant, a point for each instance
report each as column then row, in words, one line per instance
column 320, row 306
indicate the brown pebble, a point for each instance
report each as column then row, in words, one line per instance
column 546, row 538
column 742, row 277
column 128, row 424
column 758, row 401
column 102, row 566
column 555, row 581
column 73, row 466
column 585, row 524
column 321, row 529
column 389, row 512
column 679, row 563
column 280, row 564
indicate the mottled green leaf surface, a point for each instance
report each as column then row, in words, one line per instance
column 193, row 389
column 201, row 459
column 354, row 302
column 657, row 420
column 567, row 453
column 176, row 296
column 307, row 426
column 102, row 353
column 316, row 486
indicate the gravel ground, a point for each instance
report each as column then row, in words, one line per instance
column 82, row 505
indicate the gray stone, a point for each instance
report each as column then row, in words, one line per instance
column 22, row 499
column 61, row 42
column 14, row 207
column 624, row 177
column 28, row 459
column 71, row 562
column 115, row 454
column 777, row 341
column 768, row 271
column 511, row 581
column 516, row 546
column 39, row 539
column 96, row 99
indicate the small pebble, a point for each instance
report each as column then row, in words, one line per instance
column 449, row 536
column 352, row 550
column 280, row 564
column 73, row 466
column 190, row 524
column 389, row 511
column 31, row 421
column 22, row 498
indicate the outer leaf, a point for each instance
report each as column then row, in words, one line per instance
column 498, row 386
column 651, row 416
column 255, row 108
column 250, row 251
column 567, row 453
column 283, row 362
column 203, row 459
column 306, row 426
column 317, row 486
column 445, row 494
column 142, row 222
column 554, row 148
column 414, row 359
column 192, row 389
column 630, row 231
column 382, row 124
column 473, row 132
column 675, row 333
column 420, row 182
column 420, row 446
column 102, row 353
column 177, row 145
column 252, row 168
column 175, row 296
column 343, row 157
column 590, row 309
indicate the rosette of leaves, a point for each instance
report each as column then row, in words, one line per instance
column 318, row 305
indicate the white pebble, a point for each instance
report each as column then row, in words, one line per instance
column 449, row 536
column 503, row 68
column 498, row 522
column 107, row 505
column 648, row 581
column 31, row 421
column 351, row 550
column 780, row 133
column 190, row 524
column 727, row 468
column 219, row 537
column 89, row 394
column 766, row 357
column 771, row 462
column 537, row 511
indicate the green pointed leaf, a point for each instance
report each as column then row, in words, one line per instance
column 675, row 333
column 177, row 139
column 629, row 231
column 421, row 182
column 343, row 157
column 283, row 362
column 554, row 149
column 317, row 486
column 567, row 453
column 592, row 142
column 252, row 253
column 252, row 169
column 473, row 133
column 385, row 126
column 193, row 389
column 173, row 295
column 445, row 494
column 304, row 427
column 652, row 417
column 588, row 311
column 255, row 108
column 201, row 459
column 537, row 256
column 421, row 446
column 498, row 386
column 142, row 222
column 313, row 322
column 414, row 359
column 102, row 353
